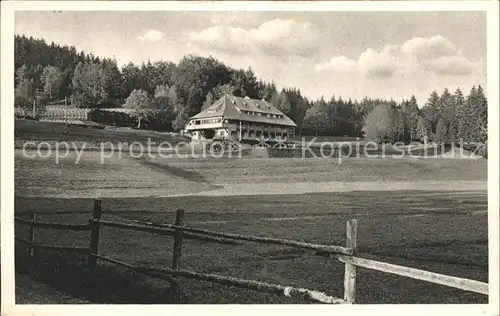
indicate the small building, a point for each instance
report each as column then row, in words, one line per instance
column 241, row 119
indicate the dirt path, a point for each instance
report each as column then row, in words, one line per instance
column 335, row 186
column 235, row 189
column 318, row 217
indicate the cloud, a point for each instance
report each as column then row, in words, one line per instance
column 338, row 64
column 380, row 64
column 277, row 37
column 151, row 36
column 440, row 56
column 221, row 38
column 451, row 66
column 435, row 55
column 429, row 48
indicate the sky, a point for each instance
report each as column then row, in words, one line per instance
column 348, row 54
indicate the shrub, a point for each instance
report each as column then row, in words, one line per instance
column 158, row 121
column 379, row 124
column 111, row 118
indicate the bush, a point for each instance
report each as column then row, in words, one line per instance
column 482, row 150
column 379, row 124
column 151, row 120
column 158, row 121
column 111, row 118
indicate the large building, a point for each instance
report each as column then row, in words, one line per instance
column 241, row 119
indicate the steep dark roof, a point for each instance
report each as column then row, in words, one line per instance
column 234, row 107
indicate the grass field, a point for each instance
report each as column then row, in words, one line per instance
column 416, row 229
column 29, row 130
column 127, row 176
column 424, row 213
column 31, row 292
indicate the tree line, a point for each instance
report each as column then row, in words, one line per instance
column 448, row 118
column 168, row 93
column 161, row 90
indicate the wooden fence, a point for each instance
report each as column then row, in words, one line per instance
column 345, row 254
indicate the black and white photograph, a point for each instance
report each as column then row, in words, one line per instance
column 250, row 153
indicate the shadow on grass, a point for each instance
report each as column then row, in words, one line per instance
column 109, row 284
column 170, row 170
column 105, row 284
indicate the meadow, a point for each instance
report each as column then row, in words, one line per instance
column 418, row 212
column 432, row 231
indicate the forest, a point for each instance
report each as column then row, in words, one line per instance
column 169, row 93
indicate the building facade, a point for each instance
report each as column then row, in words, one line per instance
column 241, row 119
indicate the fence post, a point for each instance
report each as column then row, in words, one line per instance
column 350, row 270
column 176, row 257
column 31, row 237
column 94, row 235
column 179, row 221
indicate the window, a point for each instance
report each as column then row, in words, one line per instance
column 209, row 121
column 197, row 122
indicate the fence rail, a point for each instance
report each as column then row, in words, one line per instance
column 262, row 240
column 451, row 281
column 75, row 227
column 345, row 254
column 288, row 291
column 50, row 247
column 167, row 232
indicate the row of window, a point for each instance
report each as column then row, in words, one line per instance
column 207, row 121
column 258, row 134
column 246, row 124
column 261, row 125
column 262, row 114
column 247, row 103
